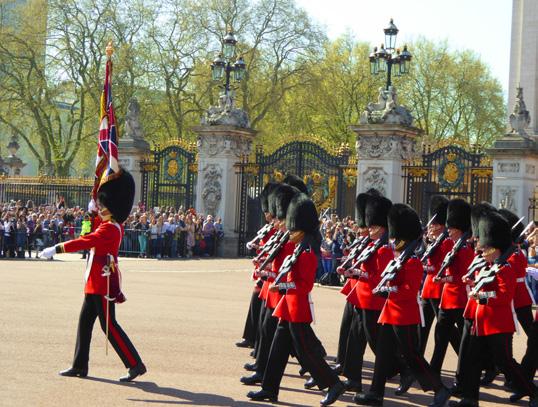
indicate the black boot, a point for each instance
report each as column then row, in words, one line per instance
column 262, row 395
column 463, row 403
column 441, row 397
column 303, row 371
column 353, row 385
column 489, row 376
column 337, row 368
column 133, row 373
column 310, row 383
column 251, row 367
column 244, row 344
column 335, row 391
column 74, row 372
column 406, row 380
column 251, row 380
column 368, row 399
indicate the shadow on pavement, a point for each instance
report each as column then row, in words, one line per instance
column 187, row 397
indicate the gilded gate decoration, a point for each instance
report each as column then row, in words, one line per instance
column 450, row 171
column 169, row 175
column 329, row 173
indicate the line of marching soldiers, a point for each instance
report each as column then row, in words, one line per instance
column 466, row 270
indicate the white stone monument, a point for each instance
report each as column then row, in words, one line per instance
column 223, row 138
column 385, row 141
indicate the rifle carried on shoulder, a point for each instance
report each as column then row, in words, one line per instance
column 370, row 250
column 488, row 274
column 260, row 234
column 356, row 249
column 432, row 247
column 275, row 249
column 267, row 247
column 449, row 258
column 289, row 261
column 395, row 266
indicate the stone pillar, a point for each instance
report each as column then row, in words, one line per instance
column 132, row 148
column 220, row 147
column 515, row 162
column 385, row 140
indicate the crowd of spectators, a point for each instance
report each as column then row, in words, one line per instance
column 166, row 232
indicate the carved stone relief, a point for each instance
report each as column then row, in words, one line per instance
column 530, row 169
column 506, row 196
column 211, row 146
column 512, row 167
column 387, row 147
column 212, row 188
column 375, row 177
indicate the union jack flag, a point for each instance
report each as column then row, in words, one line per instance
column 106, row 162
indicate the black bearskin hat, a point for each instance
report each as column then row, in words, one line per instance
column 296, row 182
column 376, row 211
column 494, row 231
column 476, row 212
column 512, row 219
column 404, row 223
column 438, row 207
column 458, row 215
column 361, row 205
column 302, row 215
column 264, row 195
column 279, row 200
column 117, row 195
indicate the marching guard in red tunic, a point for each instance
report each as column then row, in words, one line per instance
column 367, row 306
column 279, row 200
column 454, row 295
column 250, row 332
column 347, row 316
column 400, row 316
column 103, row 279
column 493, row 324
column 294, row 310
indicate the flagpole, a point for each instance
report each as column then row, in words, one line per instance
column 109, row 51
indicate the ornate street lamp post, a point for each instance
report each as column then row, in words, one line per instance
column 224, row 68
column 387, row 56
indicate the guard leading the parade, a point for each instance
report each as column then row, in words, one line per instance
column 102, row 288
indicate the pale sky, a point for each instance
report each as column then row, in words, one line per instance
column 483, row 26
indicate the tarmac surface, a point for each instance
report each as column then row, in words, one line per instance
column 184, row 317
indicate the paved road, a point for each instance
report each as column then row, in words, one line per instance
column 183, row 316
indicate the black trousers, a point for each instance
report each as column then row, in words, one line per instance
column 525, row 318
column 345, row 327
column 498, row 346
column 364, row 329
column 251, row 323
column 447, row 319
column 530, row 359
column 301, row 338
column 95, row 306
column 267, row 334
column 261, row 317
column 463, row 352
column 430, row 309
column 393, row 342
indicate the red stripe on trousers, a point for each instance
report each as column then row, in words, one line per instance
column 118, row 338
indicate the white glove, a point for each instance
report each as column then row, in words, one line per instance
column 92, row 207
column 48, row 252
column 533, row 272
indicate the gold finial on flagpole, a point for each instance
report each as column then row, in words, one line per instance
column 109, row 49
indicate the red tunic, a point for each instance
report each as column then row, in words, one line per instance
column 522, row 297
column 104, row 241
column 431, row 289
column 348, row 286
column 294, row 306
column 454, row 294
column 402, row 307
column 496, row 316
column 361, row 295
column 273, row 297
column 470, row 307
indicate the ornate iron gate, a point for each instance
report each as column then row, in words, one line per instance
column 450, row 171
column 331, row 179
column 169, row 175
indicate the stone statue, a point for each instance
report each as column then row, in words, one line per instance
column 520, row 117
column 133, row 128
column 212, row 190
column 226, row 114
column 386, row 110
